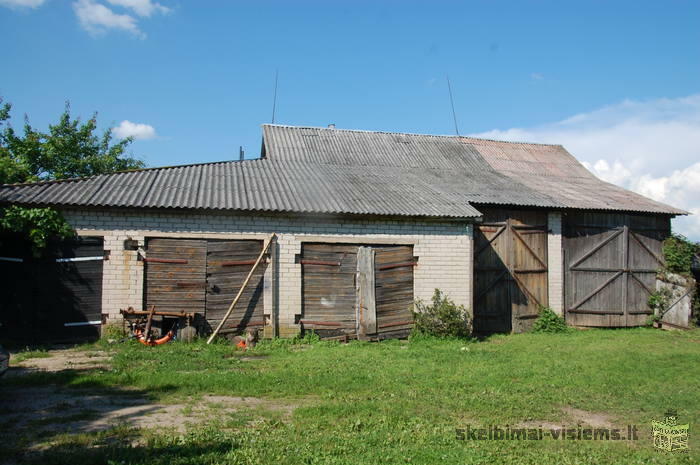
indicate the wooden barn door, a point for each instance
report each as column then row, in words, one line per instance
column 328, row 288
column 55, row 298
column 176, row 274
column 203, row 276
column 76, row 297
column 610, row 267
column 510, row 267
column 357, row 290
column 228, row 264
column 394, row 290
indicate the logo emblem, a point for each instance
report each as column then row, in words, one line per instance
column 668, row 434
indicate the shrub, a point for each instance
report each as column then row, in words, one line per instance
column 549, row 322
column 309, row 337
column 441, row 318
column 659, row 301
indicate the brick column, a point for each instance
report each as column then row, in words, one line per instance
column 122, row 277
column 289, row 275
column 470, row 273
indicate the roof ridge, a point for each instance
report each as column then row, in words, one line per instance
column 447, row 136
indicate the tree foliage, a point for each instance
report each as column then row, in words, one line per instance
column 679, row 252
column 38, row 225
column 70, row 148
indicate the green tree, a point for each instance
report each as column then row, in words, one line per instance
column 70, row 148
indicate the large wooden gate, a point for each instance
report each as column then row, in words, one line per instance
column 357, row 290
column 510, row 267
column 610, row 267
column 203, row 276
column 54, row 298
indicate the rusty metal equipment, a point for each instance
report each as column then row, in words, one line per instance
column 141, row 322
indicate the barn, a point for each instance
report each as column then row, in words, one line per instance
column 364, row 223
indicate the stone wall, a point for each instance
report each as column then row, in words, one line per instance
column 679, row 292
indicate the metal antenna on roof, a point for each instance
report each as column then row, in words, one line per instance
column 452, row 102
column 274, row 98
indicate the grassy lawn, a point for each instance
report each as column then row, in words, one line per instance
column 28, row 354
column 396, row 401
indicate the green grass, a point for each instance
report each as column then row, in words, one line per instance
column 27, row 354
column 398, row 402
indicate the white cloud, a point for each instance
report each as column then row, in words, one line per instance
column 143, row 8
column 681, row 187
column 651, row 147
column 616, row 174
column 136, row 130
column 22, row 3
column 97, row 19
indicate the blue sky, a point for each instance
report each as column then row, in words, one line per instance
column 617, row 83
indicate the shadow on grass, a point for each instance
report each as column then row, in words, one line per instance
column 124, row 446
column 80, row 378
column 66, row 410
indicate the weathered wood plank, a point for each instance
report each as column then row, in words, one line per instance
column 365, row 289
column 328, row 291
column 228, row 264
column 394, row 287
column 168, row 262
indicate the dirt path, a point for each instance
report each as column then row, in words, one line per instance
column 69, row 410
column 62, row 359
column 81, row 411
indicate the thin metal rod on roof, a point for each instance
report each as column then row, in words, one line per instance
column 454, row 114
column 274, row 98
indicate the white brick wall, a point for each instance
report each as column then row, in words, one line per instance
column 556, row 263
column 444, row 249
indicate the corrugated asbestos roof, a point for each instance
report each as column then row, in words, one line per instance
column 253, row 185
column 331, row 171
column 537, row 174
column 553, row 171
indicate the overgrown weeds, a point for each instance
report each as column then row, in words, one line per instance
column 549, row 322
column 441, row 317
